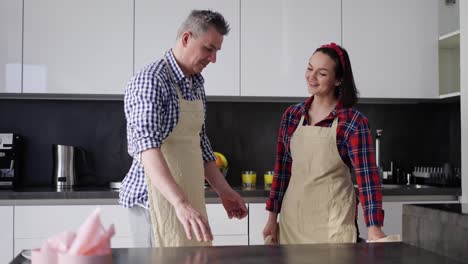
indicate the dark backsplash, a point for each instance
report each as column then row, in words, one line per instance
column 424, row 134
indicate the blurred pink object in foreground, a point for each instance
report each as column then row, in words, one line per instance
column 91, row 238
column 90, row 244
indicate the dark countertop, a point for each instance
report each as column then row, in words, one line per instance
column 91, row 195
column 382, row 253
column 259, row 191
column 98, row 193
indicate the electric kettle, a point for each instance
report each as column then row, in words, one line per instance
column 66, row 161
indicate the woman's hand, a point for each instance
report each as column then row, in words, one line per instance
column 271, row 228
column 374, row 233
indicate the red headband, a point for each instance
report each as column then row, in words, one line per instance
column 336, row 48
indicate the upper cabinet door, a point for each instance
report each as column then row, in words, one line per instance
column 77, row 46
column 393, row 47
column 156, row 25
column 278, row 38
column 10, row 45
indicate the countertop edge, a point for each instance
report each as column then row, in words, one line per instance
column 209, row 200
column 103, row 196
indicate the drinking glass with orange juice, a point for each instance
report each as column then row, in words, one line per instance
column 268, row 179
column 249, row 179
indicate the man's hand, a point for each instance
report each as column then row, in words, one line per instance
column 234, row 204
column 156, row 168
column 193, row 222
column 374, row 233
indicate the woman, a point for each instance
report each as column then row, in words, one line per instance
column 319, row 141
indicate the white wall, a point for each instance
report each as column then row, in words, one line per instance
column 464, row 95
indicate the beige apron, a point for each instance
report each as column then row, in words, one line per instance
column 319, row 204
column 183, row 155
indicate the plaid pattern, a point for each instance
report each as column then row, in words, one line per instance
column 152, row 111
column 354, row 142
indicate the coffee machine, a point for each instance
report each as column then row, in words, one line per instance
column 10, row 146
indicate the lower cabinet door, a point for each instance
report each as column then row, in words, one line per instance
column 241, row 240
column 226, row 232
column 6, row 234
column 34, row 224
column 28, row 243
column 258, row 217
column 221, row 225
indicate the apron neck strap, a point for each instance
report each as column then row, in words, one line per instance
column 171, row 74
column 301, row 122
column 335, row 122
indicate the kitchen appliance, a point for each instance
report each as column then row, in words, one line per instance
column 115, row 185
column 10, row 146
column 70, row 163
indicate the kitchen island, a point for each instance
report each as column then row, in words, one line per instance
column 440, row 228
column 382, row 253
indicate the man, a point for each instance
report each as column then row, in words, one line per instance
column 165, row 109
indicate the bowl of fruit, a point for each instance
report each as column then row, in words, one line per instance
column 221, row 163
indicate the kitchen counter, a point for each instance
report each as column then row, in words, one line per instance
column 440, row 228
column 383, row 253
column 95, row 195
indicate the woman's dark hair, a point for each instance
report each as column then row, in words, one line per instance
column 347, row 92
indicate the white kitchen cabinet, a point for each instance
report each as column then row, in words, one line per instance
column 34, row 224
column 449, row 17
column 393, row 47
column 77, row 47
column 156, row 25
column 6, row 231
column 258, row 217
column 277, row 39
column 226, row 231
column 10, row 46
column 393, row 217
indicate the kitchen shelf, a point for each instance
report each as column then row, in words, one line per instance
column 450, row 40
column 449, row 65
column 449, row 95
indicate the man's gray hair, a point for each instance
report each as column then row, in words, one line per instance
column 199, row 21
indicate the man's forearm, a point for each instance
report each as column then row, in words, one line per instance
column 216, row 179
column 156, row 168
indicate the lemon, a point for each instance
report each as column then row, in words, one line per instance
column 222, row 160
